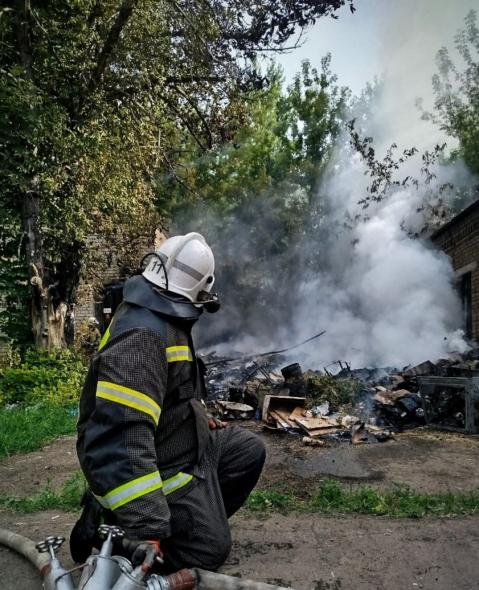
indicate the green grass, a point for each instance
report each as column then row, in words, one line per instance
column 66, row 498
column 330, row 498
column 400, row 502
column 25, row 429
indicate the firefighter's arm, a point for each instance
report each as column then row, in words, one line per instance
column 120, row 437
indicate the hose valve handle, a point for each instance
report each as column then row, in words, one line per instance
column 110, row 532
column 51, row 545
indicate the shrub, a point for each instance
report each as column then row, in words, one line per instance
column 44, row 376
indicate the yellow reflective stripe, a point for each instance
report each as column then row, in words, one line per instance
column 131, row 490
column 178, row 353
column 141, row 486
column 176, row 482
column 105, row 337
column 177, row 349
column 128, row 397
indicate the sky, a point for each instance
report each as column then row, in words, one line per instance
column 395, row 40
column 363, row 43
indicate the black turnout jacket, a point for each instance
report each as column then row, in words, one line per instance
column 143, row 426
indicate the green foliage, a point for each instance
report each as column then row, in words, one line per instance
column 66, row 498
column 331, row 498
column 401, row 502
column 456, row 90
column 253, row 197
column 53, row 377
column 338, row 392
column 269, row 500
column 25, row 429
column 285, row 142
column 14, row 289
column 96, row 96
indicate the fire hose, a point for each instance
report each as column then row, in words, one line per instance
column 104, row 571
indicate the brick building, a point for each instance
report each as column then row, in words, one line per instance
column 459, row 239
column 103, row 275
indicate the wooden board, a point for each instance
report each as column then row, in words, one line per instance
column 389, row 398
column 282, row 402
column 316, row 423
column 279, row 419
column 281, row 416
column 323, row 431
column 298, row 412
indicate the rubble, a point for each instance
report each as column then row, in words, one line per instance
column 362, row 406
column 234, row 410
column 360, row 435
column 313, row 442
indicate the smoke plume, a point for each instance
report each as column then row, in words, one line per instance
column 384, row 297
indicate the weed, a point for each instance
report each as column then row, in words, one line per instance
column 66, row 498
column 337, row 392
column 400, row 502
column 261, row 500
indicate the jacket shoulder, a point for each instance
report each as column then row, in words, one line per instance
column 131, row 317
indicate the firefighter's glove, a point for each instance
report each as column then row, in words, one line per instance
column 214, row 423
column 144, row 553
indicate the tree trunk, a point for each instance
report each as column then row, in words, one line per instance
column 34, row 258
column 48, row 314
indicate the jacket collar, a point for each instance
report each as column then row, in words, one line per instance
column 138, row 291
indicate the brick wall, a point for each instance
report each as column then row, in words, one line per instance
column 459, row 239
column 106, row 263
column 4, row 352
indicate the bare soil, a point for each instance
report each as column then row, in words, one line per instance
column 24, row 475
column 312, row 552
column 308, row 552
column 425, row 460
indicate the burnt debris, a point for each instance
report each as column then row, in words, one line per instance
column 362, row 406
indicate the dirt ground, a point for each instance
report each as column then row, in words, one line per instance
column 308, row 552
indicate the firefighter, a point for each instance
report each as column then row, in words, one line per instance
column 157, row 466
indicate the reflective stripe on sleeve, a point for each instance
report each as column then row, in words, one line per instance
column 141, row 486
column 176, row 482
column 131, row 490
column 128, row 397
column 178, row 353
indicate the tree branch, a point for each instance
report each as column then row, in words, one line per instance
column 22, row 25
column 200, row 116
column 190, row 79
column 124, row 13
column 185, row 122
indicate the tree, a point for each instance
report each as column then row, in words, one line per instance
column 254, row 196
column 456, row 91
column 95, row 95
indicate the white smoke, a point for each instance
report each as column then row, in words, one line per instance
column 383, row 297
column 387, row 299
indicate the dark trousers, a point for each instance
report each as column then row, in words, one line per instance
column 225, row 477
column 228, row 471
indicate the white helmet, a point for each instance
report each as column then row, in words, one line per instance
column 189, row 264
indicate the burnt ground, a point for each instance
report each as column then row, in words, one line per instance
column 308, row 551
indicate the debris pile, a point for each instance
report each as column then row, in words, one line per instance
column 357, row 405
